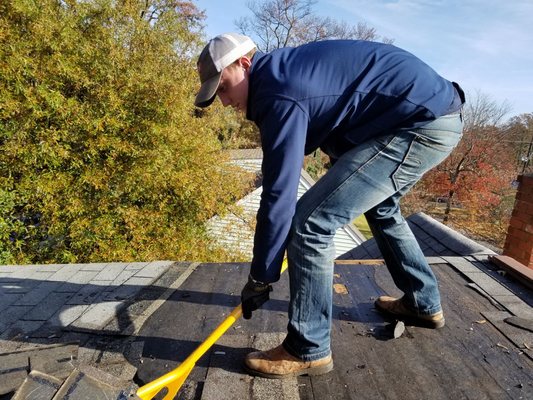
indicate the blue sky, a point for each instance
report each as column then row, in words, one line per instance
column 485, row 45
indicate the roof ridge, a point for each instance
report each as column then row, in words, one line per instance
column 447, row 236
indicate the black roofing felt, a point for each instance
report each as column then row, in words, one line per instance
column 475, row 356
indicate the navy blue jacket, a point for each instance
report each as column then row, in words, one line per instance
column 333, row 95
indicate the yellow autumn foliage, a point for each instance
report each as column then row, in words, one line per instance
column 103, row 155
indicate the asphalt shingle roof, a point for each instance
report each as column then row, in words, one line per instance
column 137, row 321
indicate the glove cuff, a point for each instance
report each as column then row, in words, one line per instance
column 257, row 286
column 255, row 282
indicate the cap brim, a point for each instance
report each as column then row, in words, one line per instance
column 207, row 91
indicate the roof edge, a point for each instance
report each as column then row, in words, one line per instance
column 450, row 238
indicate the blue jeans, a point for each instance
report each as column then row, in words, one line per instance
column 369, row 179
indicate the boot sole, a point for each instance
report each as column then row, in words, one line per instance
column 412, row 320
column 313, row 371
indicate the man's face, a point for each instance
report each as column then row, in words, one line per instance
column 233, row 87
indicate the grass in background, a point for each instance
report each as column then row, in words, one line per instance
column 361, row 224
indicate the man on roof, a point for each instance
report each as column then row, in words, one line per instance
column 384, row 118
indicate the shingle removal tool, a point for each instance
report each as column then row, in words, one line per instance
column 174, row 379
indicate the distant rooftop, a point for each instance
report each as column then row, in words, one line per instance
column 235, row 231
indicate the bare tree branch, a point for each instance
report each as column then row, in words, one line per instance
column 282, row 23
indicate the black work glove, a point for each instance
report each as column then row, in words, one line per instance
column 254, row 295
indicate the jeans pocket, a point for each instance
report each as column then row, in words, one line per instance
column 423, row 154
column 411, row 168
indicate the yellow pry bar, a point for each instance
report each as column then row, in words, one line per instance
column 174, row 379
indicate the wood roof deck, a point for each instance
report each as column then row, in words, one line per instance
column 475, row 356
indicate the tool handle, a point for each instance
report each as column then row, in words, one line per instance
column 221, row 329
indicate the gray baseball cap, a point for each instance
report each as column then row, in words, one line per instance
column 220, row 52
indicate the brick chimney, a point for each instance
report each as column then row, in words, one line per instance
column 519, row 241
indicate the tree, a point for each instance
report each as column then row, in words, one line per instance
column 102, row 157
column 475, row 180
column 480, row 153
column 519, row 131
column 282, row 23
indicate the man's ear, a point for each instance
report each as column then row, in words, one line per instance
column 245, row 62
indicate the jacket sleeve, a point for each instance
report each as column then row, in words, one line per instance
column 283, row 127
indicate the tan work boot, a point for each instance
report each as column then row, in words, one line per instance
column 278, row 364
column 396, row 308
